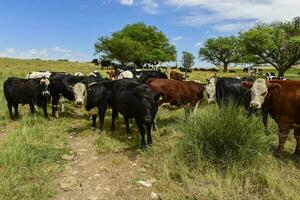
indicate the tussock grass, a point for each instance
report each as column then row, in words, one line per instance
column 220, row 154
column 28, row 158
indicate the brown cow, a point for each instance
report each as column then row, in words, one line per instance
column 176, row 76
column 281, row 99
column 111, row 75
column 177, row 93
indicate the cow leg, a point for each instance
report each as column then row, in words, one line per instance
column 149, row 137
column 154, row 125
column 94, row 118
column 297, row 137
column 62, row 104
column 113, row 118
column 32, row 109
column 196, row 106
column 129, row 134
column 55, row 100
column 9, row 105
column 142, row 132
column 101, row 111
column 283, row 134
column 16, row 110
column 45, row 110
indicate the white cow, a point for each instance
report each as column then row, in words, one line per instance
column 209, row 91
column 78, row 74
column 46, row 74
column 125, row 74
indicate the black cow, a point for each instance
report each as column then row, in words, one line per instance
column 26, row 91
column 63, row 85
column 127, row 96
column 143, row 76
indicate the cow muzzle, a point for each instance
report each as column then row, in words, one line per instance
column 79, row 102
column 45, row 93
column 255, row 105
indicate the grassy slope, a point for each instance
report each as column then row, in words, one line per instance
column 29, row 157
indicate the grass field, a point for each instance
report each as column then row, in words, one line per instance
column 184, row 158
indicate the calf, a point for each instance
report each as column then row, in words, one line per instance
column 26, row 91
column 176, row 76
column 281, row 99
column 129, row 97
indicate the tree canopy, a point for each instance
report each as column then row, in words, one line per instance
column 187, row 59
column 277, row 44
column 137, row 43
column 220, row 51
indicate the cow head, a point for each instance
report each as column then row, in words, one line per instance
column 259, row 91
column 80, row 93
column 209, row 91
column 147, row 103
column 44, row 84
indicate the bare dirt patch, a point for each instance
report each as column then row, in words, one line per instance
column 103, row 176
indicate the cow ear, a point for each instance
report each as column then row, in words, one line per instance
column 246, row 85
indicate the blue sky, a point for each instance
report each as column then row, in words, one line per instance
column 68, row 29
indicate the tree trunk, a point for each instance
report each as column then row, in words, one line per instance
column 225, row 67
column 281, row 71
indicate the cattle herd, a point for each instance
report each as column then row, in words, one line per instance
column 139, row 94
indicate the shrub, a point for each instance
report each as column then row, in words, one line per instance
column 222, row 137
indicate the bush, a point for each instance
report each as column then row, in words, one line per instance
column 222, row 137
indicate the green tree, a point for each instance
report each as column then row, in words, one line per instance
column 277, row 44
column 187, row 59
column 137, row 43
column 221, row 51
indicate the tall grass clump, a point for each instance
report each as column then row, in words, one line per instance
column 222, row 138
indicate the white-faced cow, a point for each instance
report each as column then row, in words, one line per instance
column 281, row 99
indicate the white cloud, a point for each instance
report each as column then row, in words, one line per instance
column 177, row 38
column 127, row 2
column 233, row 27
column 149, row 6
column 47, row 54
column 264, row 10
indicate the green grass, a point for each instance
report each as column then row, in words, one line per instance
column 28, row 159
column 212, row 155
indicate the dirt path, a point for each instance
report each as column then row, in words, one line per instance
column 102, row 176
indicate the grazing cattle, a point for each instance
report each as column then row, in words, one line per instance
column 111, row 75
column 78, row 74
column 177, row 93
column 95, row 61
column 176, row 76
column 213, row 70
column 222, row 90
column 143, row 76
column 95, row 74
column 281, row 99
column 209, row 92
column 63, row 85
column 124, row 74
column 129, row 97
column 203, row 69
column 38, row 74
column 185, row 70
column 232, row 71
column 26, row 91
column 41, row 74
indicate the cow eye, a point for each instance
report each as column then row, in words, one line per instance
column 263, row 94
